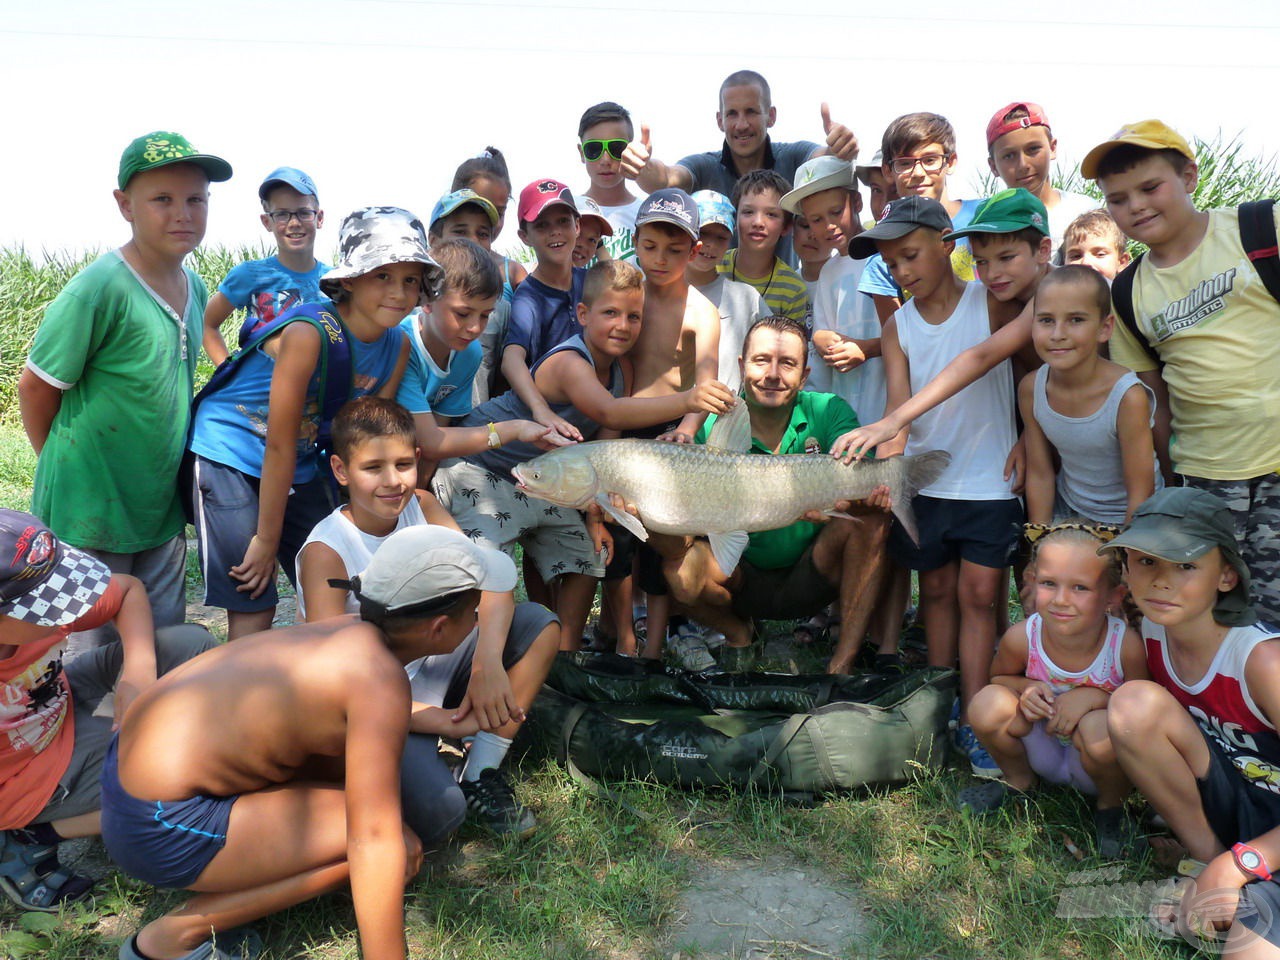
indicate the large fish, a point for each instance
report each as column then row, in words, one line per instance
column 719, row 490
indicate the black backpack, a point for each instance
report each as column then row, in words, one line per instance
column 334, row 368
column 1257, row 236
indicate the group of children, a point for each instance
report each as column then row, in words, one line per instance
column 412, row 376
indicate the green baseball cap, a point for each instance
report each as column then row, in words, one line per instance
column 1007, row 212
column 1179, row 524
column 161, row 148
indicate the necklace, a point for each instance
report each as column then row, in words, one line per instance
column 764, row 294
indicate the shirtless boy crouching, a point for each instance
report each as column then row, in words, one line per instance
column 267, row 771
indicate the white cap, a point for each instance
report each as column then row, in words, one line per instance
column 814, row 176
column 422, row 563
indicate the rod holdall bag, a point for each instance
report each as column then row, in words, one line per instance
column 612, row 717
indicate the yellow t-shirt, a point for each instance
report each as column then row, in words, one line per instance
column 1217, row 331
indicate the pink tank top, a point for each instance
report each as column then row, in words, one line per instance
column 1105, row 672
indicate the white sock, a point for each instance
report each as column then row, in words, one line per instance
column 487, row 750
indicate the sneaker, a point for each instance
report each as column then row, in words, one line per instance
column 983, row 799
column 979, row 760
column 493, row 804
column 1118, row 836
column 690, row 651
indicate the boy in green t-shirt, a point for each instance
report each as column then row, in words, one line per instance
column 106, row 391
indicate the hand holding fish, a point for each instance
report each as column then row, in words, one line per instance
column 856, row 444
column 710, row 396
column 542, row 437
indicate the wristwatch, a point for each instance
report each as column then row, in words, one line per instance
column 494, row 441
column 1250, row 861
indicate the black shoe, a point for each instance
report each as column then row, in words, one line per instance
column 493, row 804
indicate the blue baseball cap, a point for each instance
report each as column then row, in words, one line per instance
column 715, row 207
column 450, row 202
column 670, row 205
column 289, row 177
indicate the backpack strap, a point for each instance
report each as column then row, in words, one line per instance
column 336, row 369
column 1258, row 237
column 1122, row 303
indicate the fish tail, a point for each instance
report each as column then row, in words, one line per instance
column 917, row 473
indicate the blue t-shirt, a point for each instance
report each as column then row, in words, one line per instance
column 428, row 389
column 876, row 278
column 231, row 424
column 265, row 289
column 543, row 317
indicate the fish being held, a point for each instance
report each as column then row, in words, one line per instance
column 719, row 490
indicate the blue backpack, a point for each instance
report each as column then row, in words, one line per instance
column 334, row 369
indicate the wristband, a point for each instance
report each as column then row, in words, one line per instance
column 494, row 441
column 1250, row 861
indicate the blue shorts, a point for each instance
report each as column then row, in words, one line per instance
column 164, row 843
column 226, row 519
column 984, row 532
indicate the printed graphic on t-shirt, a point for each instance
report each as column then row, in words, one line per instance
column 1208, row 298
column 265, row 306
column 33, row 704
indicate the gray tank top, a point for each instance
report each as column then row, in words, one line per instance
column 1091, row 481
column 510, row 407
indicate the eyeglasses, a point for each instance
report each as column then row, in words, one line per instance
column 594, row 149
column 931, row 163
column 282, row 217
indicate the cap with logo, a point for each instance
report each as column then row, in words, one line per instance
column 161, row 148
column 42, row 580
column 998, row 126
column 451, row 202
column 589, row 208
column 1152, row 134
column 288, row 177
column 539, row 195
column 814, row 176
column 1179, row 524
column 1007, row 212
column 670, row 205
column 899, row 219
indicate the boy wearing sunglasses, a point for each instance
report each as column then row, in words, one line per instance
column 603, row 134
column 266, row 288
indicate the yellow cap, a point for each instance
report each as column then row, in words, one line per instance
column 1153, row 134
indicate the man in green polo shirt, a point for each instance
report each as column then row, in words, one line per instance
column 796, row 570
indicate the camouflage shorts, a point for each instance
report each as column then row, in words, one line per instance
column 1255, row 505
column 494, row 512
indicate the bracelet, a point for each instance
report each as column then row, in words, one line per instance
column 494, row 441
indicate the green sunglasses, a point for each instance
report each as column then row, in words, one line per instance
column 594, row 149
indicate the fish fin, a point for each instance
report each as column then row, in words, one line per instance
column 838, row 515
column 921, row 470
column 622, row 517
column 732, row 432
column 727, row 549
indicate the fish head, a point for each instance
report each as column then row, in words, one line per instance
column 564, row 477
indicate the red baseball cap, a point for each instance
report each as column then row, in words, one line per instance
column 541, row 194
column 998, row 126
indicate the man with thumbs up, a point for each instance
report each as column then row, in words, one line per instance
column 745, row 115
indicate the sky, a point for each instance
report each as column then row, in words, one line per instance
column 379, row 100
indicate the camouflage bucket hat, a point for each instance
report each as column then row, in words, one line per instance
column 372, row 237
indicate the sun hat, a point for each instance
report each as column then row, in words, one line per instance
column 450, row 203
column 814, row 176
column 1007, row 212
column 372, row 237
column 998, row 126
column 161, row 148
column 419, row 569
column 589, row 208
column 670, row 205
column 541, row 194
column 1179, row 524
column 43, row 580
column 288, row 177
column 715, row 207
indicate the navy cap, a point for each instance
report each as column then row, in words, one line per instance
column 289, row 177
column 670, row 205
column 900, row 218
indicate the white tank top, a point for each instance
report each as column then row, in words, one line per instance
column 353, row 545
column 976, row 425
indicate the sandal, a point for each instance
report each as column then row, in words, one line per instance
column 816, row 628
column 239, row 943
column 31, row 877
column 1117, row 835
